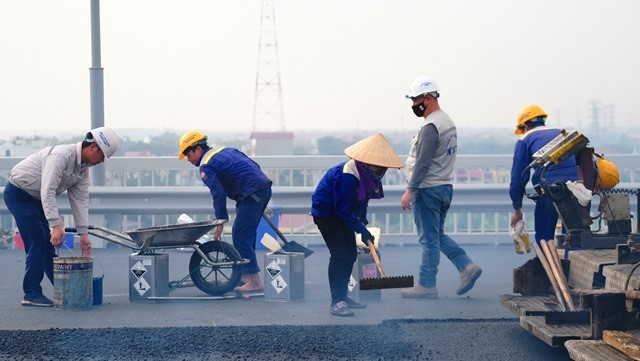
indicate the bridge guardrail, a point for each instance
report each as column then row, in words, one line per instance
column 481, row 205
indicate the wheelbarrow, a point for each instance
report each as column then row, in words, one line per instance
column 215, row 267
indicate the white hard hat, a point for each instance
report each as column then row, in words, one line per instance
column 106, row 139
column 422, row 85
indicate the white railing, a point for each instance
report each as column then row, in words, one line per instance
column 155, row 190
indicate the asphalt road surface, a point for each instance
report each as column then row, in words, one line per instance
column 470, row 327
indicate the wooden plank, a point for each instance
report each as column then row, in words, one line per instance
column 591, row 350
column 554, row 335
column 530, row 305
column 623, row 342
column 530, row 279
column 587, row 265
column 617, row 275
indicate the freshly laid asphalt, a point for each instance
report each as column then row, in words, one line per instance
column 471, row 327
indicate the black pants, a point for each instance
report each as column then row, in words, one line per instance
column 341, row 242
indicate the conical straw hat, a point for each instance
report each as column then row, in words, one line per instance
column 375, row 150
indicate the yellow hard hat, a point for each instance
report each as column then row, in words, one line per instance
column 189, row 139
column 608, row 174
column 526, row 114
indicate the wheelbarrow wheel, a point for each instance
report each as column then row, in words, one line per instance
column 210, row 278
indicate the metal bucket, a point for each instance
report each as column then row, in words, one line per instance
column 72, row 282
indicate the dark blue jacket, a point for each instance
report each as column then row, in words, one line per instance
column 230, row 173
column 337, row 195
column 525, row 148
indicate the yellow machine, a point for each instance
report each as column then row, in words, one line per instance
column 560, row 148
column 614, row 209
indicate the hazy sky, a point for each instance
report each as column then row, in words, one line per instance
column 344, row 64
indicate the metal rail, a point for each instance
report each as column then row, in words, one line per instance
column 480, row 207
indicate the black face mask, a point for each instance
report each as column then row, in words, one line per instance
column 375, row 172
column 418, row 109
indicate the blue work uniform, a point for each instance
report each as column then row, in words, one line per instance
column 230, row 173
column 546, row 216
column 338, row 213
column 337, row 195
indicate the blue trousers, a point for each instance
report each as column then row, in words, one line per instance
column 430, row 207
column 545, row 219
column 245, row 226
column 36, row 235
column 341, row 242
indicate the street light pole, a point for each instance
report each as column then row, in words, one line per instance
column 96, row 84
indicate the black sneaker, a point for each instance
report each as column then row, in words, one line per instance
column 351, row 303
column 38, row 301
column 340, row 309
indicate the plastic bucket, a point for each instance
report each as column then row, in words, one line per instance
column 69, row 239
column 72, row 282
column 97, row 290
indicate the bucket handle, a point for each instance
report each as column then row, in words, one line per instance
column 94, row 260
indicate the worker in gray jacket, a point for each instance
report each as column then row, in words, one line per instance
column 30, row 195
column 430, row 165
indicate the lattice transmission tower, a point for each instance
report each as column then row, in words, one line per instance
column 268, row 115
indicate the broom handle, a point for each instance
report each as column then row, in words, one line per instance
column 556, row 258
column 375, row 257
column 564, row 289
column 563, row 276
column 552, row 279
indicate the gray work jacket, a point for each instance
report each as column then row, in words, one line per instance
column 52, row 171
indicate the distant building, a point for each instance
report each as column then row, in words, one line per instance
column 23, row 146
column 271, row 143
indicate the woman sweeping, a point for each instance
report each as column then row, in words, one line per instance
column 339, row 209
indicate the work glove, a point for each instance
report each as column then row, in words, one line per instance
column 366, row 237
column 520, row 237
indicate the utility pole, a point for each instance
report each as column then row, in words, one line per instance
column 96, row 85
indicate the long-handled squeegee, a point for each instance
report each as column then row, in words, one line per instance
column 383, row 282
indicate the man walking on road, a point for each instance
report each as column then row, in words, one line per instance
column 429, row 191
